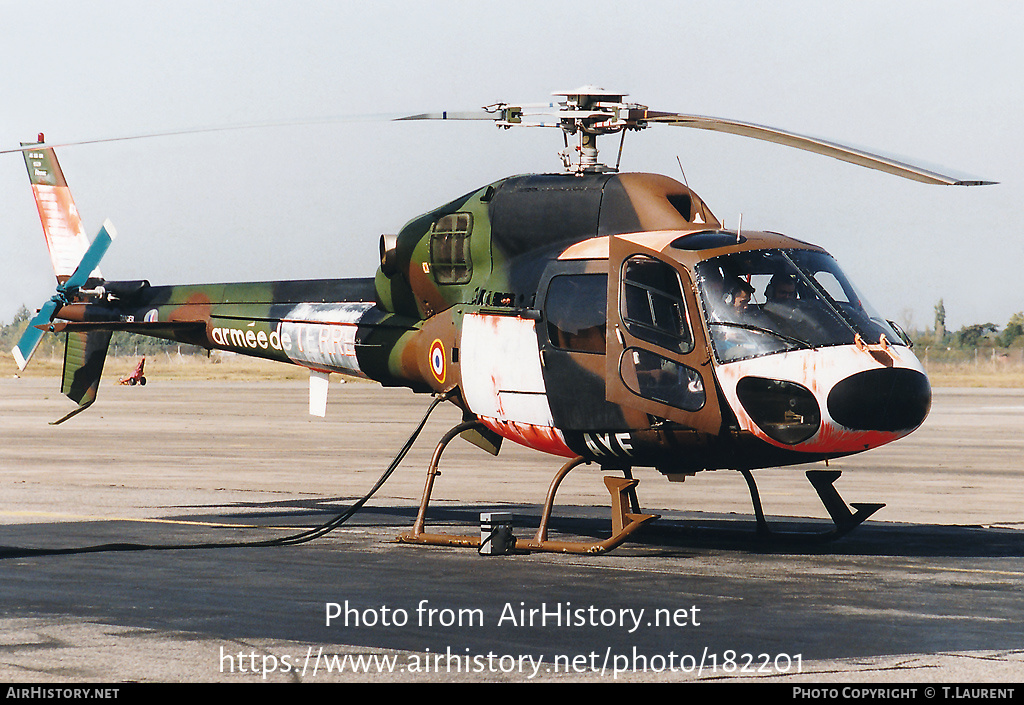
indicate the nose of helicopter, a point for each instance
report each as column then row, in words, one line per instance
column 820, row 411
column 886, row 399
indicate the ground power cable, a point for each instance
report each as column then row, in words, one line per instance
column 293, row 540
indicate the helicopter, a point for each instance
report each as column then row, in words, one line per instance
column 603, row 317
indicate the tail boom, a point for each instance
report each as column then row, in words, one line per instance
column 324, row 325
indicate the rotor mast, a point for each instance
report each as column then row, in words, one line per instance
column 585, row 113
column 588, row 112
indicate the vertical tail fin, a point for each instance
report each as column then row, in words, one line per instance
column 84, row 354
column 75, row 261
column 62, row 226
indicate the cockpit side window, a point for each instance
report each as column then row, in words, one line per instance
column 652, row 304
column 575, row 311
column 450, row 260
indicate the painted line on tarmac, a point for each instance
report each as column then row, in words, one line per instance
column 185, row 522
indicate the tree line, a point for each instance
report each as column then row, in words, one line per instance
column 973, row 336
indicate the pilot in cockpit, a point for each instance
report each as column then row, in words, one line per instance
column 781, row 289
column 737, row 297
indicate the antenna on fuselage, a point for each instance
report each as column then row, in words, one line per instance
column 703, row 207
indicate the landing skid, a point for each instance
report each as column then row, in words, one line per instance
column 623, row 496
column 823, row 482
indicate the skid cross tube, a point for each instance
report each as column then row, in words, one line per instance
column 624, row 523
column 417, row 535
column 622, row 492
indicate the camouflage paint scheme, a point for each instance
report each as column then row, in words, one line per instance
column 459, row 306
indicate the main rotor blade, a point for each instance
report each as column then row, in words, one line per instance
column 91, row 258
column 376, row 117
column 632, row 117
column 816, row 145
column 452, row 115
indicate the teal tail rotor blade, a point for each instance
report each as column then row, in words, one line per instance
column 90, row 260
column 92, row 256
column 29, row 340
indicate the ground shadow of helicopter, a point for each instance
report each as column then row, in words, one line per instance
column 603, row 317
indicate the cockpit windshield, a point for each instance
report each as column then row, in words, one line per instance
column 766, row 301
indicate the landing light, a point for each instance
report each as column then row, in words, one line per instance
column 787, row 412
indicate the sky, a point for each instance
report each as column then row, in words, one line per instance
column 937, row 82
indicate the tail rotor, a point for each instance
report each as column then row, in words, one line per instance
column 67, row 293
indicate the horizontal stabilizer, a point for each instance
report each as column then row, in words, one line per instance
column 154, row 328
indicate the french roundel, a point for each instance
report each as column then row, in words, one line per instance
column 437, row 365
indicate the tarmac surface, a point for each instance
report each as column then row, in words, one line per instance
column 929, row 590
